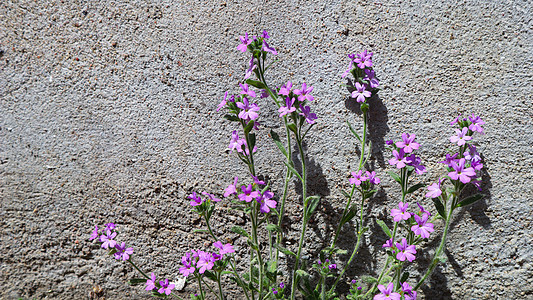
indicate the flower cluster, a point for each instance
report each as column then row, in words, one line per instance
column 365, row 77
column 298, row 108
column 278, row 292
column 250, row 192
column 163, row 287
column 202, row 261
column 107, row 239
column 419, row 225
column 403, row 154
column 360, row 178
column 259, row 47
column 387, row 293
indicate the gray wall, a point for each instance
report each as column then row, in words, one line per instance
column 107, row 113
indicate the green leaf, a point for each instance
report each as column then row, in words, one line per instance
column 384, row 228
column 276, row 139
column 273, row 228
column 136, row 281
column 404, row 277
column 415, row 187
column 439, row 207
column 302, row 274
column 293, row 171
column 353, row 131
column 312, row 204
column 249, row 127
column 252, row 140
column 240, row 230
column 255, row 83
column 252, row 245
column 470, row 200
column 345, row 194
column 284, row 250
column 231, row 118
column 210, row 275
column 156, row 294
column 200, row 230
column 369, row 279
column 292, row 127
column 352, row 211
column 395, row 176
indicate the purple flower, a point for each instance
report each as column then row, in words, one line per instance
column 264, row 94
column 224, row 249
column 195, row 199
column 360, row 94
column 282, row 285
column 408, row 143
column 364, row 59
column 416, row 162
column 350, row 67
column 398, row 160
column 332, row 266
column 250, row 70
column 405, row 251
column 223, row 102
column 110, row 226
column 205, row 262
column 249, row 111
column 473, row 156
column 166, row 288
column 211, row 197
column 265, row 35
column 400, row 214
column 288, row 108
column 372, row 177
column 257, row 181
column 358, row 178
column 388, row 244
column 245, row 42
column 274, row 291
column 285, row 90
column 354, row 281
column 248, row 193
column 389, row 142
column 267, row 48
column 456, row 120
column 246, row 90
column 409, row 294
column 309, row 116
column 371, row 78
column 107, row 239
column 266, row 202
column 449, row 159
column 188, row 265
column 123, row 252
column 422, row 210
column 387, row 293
column 304, row 93
column 423, row 228
column 94, row 235
column 460, row 172
column 150, row 283
column 236, row 142
column 461, row 136
column 476, row 123
column 434, row 190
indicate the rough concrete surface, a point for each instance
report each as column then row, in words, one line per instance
column 107, row 113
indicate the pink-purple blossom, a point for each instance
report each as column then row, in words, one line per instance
column 188, row 264
column 434, row 190
column 249, row 111
column 245, row 90
column 409, row 294
column 461, row 138
column 358, row 178
column 235, row 142
column 304, row 93
column 387, row 293
column 150, row 283
column 423, row 228
column 265, row 35
column 285, row 89
column 267, row 48
column 94, row 234
column 408, row 143
column 309, row 116
column 402, row 213
column 223, row 102
column 211, row 197
column 123, row 252
column 289, row 108
column 398, row 159
column 205, row 262
column 476, row 123
column 195, row 199
column 265, row 201
column 372, row 178
column 461, row 172
column 360, row 94
column 166, row 288
column 251, row 68
column 371, row 78
column 224, row 249
column 405, row 251
column 364, row 59
column 248, row 194
column 107, row 239
column 388, row 244
column 245, row 41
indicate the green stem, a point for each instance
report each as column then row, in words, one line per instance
column 212, row 291
column 304, row 220
column 373, row 289
column 220, row 287
column 365, row 121
column 145, row 276
column 439, row 251
column 232, row 264
column 200, row 287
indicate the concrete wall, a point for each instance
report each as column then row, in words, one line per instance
column 107, row 113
